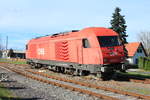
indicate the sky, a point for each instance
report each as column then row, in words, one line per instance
column 22, row 20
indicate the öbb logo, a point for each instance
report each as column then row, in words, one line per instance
column 40, row 51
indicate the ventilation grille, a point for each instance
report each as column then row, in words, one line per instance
column 62, row 50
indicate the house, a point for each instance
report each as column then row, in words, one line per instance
column 18, row 54
column 14, row 54
column 135, row 50
column 4, row 54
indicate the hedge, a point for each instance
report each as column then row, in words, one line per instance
column 144, row 63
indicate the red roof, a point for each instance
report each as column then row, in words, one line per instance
column 132, row 48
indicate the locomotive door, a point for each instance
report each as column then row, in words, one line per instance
column 79, row 51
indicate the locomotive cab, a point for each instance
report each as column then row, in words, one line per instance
column 103, row 51
column 111, row 49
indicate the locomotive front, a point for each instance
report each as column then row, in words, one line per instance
column 112, row 51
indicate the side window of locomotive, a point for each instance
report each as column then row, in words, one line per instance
column 85, row 43
column 26, row 47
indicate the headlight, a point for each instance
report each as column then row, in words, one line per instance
column 105, row 60
column 122, row 58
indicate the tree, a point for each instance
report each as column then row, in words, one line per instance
column 144, row 38
column 118, row 25
column 10, row 53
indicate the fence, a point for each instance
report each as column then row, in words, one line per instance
column 144, row 63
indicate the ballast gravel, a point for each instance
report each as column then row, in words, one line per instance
column 50, row 92
column 28, row 89
column 111, row 94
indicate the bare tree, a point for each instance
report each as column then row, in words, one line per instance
column 144, row 37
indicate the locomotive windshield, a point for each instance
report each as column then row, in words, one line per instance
column 108, row 41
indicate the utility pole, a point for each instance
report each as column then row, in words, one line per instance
column 6, row 42
column 0, row 43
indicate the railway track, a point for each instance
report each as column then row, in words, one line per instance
column 145, row 81
column 78, row 83
column 92, row 85
column 72, row 88
column 131, row 79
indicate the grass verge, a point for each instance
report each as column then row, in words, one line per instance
column 136, row 75
column 5, row 93
column 13, row 61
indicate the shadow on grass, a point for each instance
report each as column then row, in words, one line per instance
column 8, row 81
column 13, row 88
column 127, row 77
column 15, row 98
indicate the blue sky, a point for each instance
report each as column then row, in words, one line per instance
column 22, row 20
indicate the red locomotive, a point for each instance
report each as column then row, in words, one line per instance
column 91, row 50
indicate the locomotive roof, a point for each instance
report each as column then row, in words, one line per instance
column 98, row 31
column 57, row 34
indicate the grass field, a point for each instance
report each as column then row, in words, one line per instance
column 140, row 75
column 5, row 94
column 146, row 75
column 13, row 61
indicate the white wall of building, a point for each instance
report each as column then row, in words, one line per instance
column 130, row 60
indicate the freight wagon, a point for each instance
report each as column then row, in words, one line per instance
column 93, row 50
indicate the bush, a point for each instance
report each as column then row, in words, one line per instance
column 144, row 63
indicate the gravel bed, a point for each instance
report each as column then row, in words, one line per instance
column 22, row 90
column 121, row 85
column 126, row 86
column 122, row 97
column 29, row 89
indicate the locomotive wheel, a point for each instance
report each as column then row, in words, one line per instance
column 71, row 71
column 75, row 72
column 115, row 76
column 32, row 66
column 105, row 75
column 62, row 70
column 123, row 68
column 58, row 69
column 124, row 71
column 80, row 72
column 38, row 65
column 99, row 75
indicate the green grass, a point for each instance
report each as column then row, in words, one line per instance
column 137, row 90
column 12, row 61
column 136, row 74
column 139, row 74
column 4, row 92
